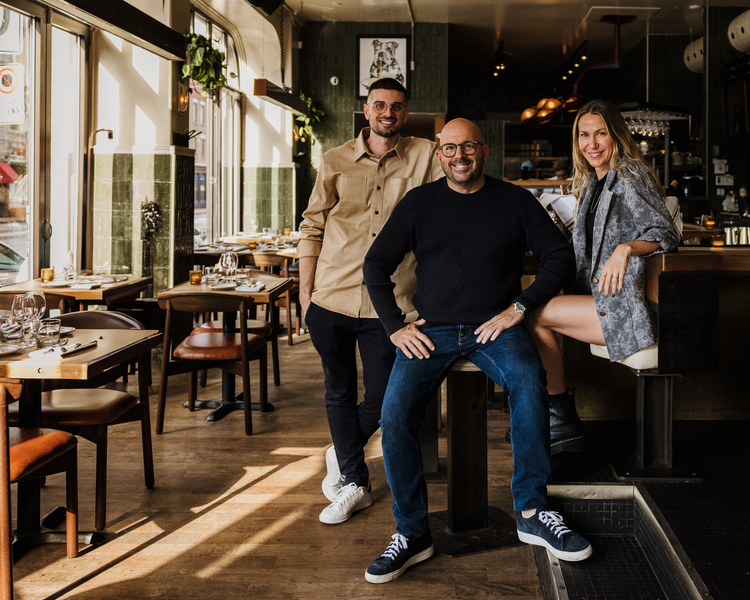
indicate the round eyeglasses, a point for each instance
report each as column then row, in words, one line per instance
column 380, row 107
column 467, row 148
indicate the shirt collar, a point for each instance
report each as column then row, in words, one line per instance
column 360, row 148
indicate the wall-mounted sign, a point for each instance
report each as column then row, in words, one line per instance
column 12, row 109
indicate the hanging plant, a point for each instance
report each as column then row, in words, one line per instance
column 314, row 115
column 205, row 64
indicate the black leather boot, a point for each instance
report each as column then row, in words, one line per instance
column 565, row 426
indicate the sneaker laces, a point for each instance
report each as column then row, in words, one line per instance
column 345, row 497
column 399, row 543
column 554, row 522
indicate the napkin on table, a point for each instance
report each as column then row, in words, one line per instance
column 256, row 287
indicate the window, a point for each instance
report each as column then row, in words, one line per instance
column 216, row 145
column 41, row 194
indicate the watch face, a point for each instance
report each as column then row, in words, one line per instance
column 519, row 308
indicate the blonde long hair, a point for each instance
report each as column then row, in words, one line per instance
column 624, row 147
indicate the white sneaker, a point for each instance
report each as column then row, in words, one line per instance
column 334, row 480
column 350, row 499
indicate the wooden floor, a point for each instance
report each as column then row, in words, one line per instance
column 234, row 516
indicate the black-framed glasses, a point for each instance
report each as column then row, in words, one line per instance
column 467, row 148
column 380, row 107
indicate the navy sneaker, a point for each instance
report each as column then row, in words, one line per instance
column 546, row 528
column 401, row 554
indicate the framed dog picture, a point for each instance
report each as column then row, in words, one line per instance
column 381, row 56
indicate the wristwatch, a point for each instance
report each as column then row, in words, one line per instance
column 519, row 308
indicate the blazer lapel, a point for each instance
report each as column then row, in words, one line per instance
column 602, row 212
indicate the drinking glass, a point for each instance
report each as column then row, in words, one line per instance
column 36, row 305
column 22, row 310
column 202, row 236
column 212, row 275
column 49, row 332
column 241, row 277
column 228, row 262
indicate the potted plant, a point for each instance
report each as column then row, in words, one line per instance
column 205, row 64
column 314, row 115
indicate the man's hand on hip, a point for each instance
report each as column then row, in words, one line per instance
column 489, row 330
column 412, row 341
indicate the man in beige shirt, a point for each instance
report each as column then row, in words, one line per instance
column 358, row 186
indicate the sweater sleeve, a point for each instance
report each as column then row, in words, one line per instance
column 395, row 240
column 552, row 251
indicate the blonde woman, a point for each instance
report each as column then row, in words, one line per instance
column 621, row 219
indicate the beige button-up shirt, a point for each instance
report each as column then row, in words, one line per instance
column 353, row 197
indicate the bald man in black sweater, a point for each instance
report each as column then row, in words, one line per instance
column 469, row 233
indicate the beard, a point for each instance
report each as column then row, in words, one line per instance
column 464, row 178
column 386, row 131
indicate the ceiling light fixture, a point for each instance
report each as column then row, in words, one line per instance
column 499, row 64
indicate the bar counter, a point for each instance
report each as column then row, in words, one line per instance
column 606, row 391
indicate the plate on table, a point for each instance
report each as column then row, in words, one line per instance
column 66, row 330
column 8, row 349
column 201, row 249
column 56, row 284
column 223, row 286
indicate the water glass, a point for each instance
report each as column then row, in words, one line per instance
column 48, row 333
column 212, row 275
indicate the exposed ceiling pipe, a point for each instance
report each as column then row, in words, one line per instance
column 617, row 21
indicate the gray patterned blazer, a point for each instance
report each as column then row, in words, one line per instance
column 630, row 208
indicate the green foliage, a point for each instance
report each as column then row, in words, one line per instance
column 314, row 115
column 205, row 64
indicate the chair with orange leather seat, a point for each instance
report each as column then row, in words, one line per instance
column 84, row 408
column 267, row 262
column 31, row 453
column 231, row 352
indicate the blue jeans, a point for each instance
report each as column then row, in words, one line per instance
column 512, row 362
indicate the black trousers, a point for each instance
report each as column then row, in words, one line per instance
column 335, row 337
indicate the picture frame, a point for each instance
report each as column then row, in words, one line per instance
column 381, row 56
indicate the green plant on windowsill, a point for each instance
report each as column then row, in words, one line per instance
column 304, row 130
column 205, row 64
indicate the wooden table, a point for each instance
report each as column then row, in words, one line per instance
column 114, row 348
column 274, row 287
column 106, row 294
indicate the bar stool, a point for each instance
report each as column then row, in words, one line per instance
column 470, row 524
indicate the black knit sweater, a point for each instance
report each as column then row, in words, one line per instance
column 469, row 250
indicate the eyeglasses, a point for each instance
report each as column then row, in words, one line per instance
column 380, row 107
column 467, row 148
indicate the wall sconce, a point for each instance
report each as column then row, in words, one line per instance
column 183, row 96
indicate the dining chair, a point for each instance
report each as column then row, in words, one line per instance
column 268, row 262
column 231, row 352
column 54, row 302
column 86, row 409
column 31, row 453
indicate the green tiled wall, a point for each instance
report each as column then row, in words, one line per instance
column 122, row 182
column 268, row 197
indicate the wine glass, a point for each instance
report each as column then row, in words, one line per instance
column 22, row 310
column 228, row 262
column 202, row 236
column 35, row 305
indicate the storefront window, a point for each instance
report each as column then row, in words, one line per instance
column 17, row 128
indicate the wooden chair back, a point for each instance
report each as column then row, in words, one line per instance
column 54, row 301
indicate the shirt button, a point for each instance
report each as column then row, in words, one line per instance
column 602, row 314
column 376, row 212
column 373, row 235
column 594, row 281
column 378, row 187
